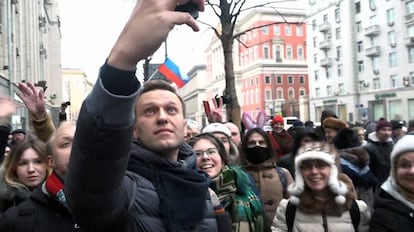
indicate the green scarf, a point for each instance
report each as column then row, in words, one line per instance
column 234, row 189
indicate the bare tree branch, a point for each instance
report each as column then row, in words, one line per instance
column 213, row 5
column 235, row 16
column 212, row 28
column 241, row 42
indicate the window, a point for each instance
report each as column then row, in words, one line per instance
column 390, row 16
column 341, row 88
column 338, row 33
column 339, row 68
column 279, row 93
column 314, row 40
column 289, row 52
column 361, row 86
column 376, row 82
column 358, row 26
column 411, row 55
column 391, row 38
column 265, row 30
column 339, row 52
column 257, row 96
column 276, row 29
column 337, row 15
column 410, row 7
column 373, row 19
column 360, row 46
column 316, row 74
column 360, row 65
column 251, row 82
column 373, row 4
column 302, row 92
column 288, row 30
column 329, row 91
column 266, row 52
column 393, row 59
column 257, row 81
column 301, row 80
column 268, row 94
column 410, row 31
column 277, row 54
column 376, row 63
column 290, row 80
column 267, row 79
column 328, row 73
column 291, row 93
column 393, row 79
column 300, row 53
column 279, row 80
column 412, row 78
column 299, row 31
column 315, row 58
column 317, row 92
column 325, row 18
column 357, row 7
column 314, row 25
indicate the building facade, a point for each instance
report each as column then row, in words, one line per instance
column 361, row 59
column 30, row 51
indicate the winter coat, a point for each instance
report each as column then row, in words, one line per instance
column 390, row 214
column 379, row 156
column 355, row 164
column 4, row 135
column 39, row 213
column 282, row 142
column 305, row 222
column 269, row 185
column 10, row 196
column 99, row 194
column 43, row 128
column 312, row 210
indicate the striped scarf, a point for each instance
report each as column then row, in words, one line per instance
column 233, row 187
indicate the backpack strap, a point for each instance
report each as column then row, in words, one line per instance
column 283, row 180
column 355, row 215
column 290, row 216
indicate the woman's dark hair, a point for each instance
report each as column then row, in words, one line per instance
column 208, row 136
column 246, row 137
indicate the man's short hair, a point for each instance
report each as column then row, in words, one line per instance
column 159, row 85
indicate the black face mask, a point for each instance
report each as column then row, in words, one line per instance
column 257, row 154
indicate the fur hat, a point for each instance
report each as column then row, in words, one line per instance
column 334, row 123
column 405, row 144
column 277, row 118
column 382, row 123
column 346, row 138
column 216, row 128
column 327, row 153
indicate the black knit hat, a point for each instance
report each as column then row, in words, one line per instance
column 346, row 138
column 18, row 131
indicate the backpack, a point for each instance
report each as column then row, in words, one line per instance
column 283, row 180
column 291, row 212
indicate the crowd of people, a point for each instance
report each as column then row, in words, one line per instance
column 142, row 166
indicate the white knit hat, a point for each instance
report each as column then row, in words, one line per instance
column 328, row 154
column 217, row 128
column 403, row 145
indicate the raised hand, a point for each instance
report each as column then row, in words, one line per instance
column 214, row 114
column 7, row 107
column 147, row 27
column 33, row 98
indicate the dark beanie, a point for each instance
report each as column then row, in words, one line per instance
column 395, row 124
column 346, row 138
column 18, row 131
column 383, row 123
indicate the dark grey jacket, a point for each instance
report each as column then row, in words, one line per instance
column 101, row 197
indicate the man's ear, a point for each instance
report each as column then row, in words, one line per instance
column 50, row 161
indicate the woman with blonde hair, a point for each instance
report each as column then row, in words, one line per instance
column 23, row 170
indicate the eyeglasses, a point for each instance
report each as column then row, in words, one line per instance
column 208, row 152
column 318, row 164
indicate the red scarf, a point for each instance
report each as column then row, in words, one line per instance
column 54, row 186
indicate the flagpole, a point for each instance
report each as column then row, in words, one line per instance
column 165, row 48
column 153, row 74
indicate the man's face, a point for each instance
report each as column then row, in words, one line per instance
column 62, row 146
column 160, row 123
column 277, row 127
column 384, row 134
column 18, row 137
column 235, row 133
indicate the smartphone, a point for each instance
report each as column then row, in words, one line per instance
column 189, row 7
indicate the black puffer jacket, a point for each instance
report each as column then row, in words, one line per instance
column 39, row 213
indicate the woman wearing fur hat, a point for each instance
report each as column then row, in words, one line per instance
column 323, row 199
column 394, row 204
column 332, row 126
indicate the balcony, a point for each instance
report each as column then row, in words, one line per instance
column 327, row 62
column 325, row 27
column 373, row 30
column 409, row 41
column 325, row 45
column 409, row 18
column 373, row 51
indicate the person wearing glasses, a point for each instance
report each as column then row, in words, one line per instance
column 322, row 198
column 232, row 185
column 394, row 203
column 223, row 133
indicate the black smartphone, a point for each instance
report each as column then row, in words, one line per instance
column 189, row 7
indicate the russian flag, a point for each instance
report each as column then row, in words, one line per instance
column 173, row 73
